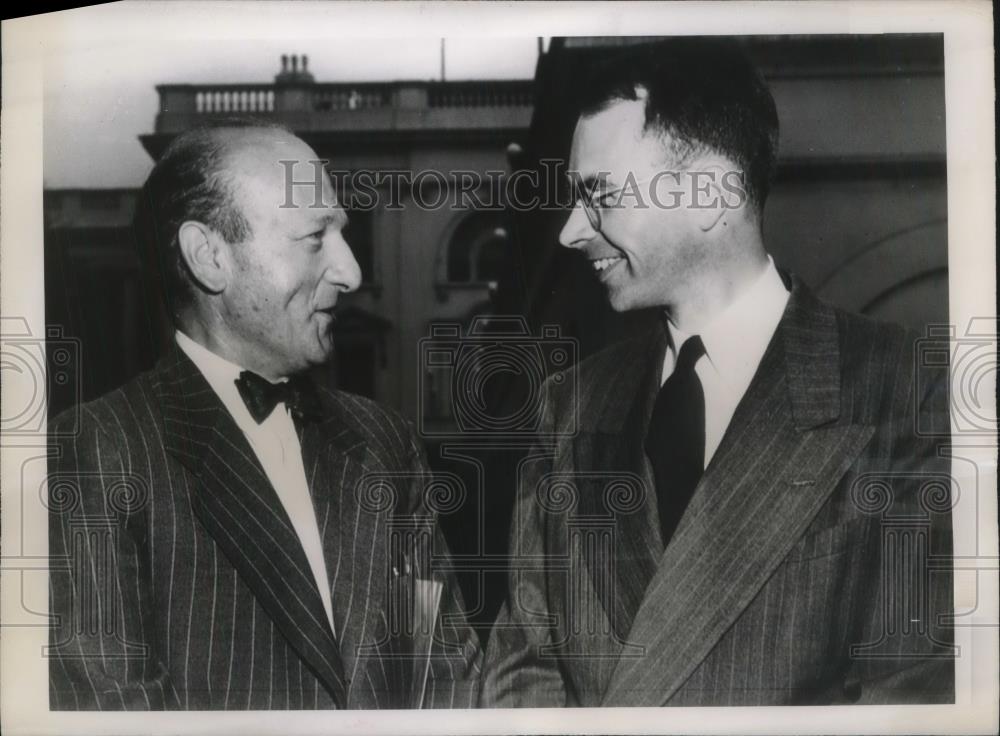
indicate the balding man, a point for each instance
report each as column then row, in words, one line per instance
column 236, row 537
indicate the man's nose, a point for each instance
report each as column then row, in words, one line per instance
column 342, row 269
column 577, row 231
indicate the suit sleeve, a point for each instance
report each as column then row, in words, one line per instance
column 906, row 653
column 456, row 658
column 516, row 672
column 101, row 656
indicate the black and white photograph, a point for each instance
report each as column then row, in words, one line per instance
column 543, row 365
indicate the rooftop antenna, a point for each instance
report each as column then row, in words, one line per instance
column 442, row 59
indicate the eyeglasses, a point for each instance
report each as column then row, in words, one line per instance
column 594, row 203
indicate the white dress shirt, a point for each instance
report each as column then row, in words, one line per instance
column 276, row 445
column 734, row 342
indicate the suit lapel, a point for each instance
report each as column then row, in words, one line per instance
column 610, row 448
column 240, row 509
column 757, row 497
column 352, row 526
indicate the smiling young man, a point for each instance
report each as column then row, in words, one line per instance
column 227, row 525
column 720, row 514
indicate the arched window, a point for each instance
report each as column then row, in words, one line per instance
column 479, row 249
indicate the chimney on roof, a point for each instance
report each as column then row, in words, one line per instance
column 292, row 74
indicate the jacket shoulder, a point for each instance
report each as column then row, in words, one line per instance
column 120, row 431
column 880, row 368
column 614, row 358
column 596, row 383
column 859, row 333
column 391, row 446
column 122, row 412
column 605, row 363
column 380, row 427
column 871, row 347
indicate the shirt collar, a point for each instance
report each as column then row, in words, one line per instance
column 221, row 375
column 735, row 340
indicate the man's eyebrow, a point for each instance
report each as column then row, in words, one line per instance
column 331, row 217
column 589, row 182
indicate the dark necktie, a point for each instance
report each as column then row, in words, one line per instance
column 675, row 441
column 261, row 396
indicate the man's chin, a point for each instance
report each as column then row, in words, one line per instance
column 620, row 302
column 623, row 300
column 316, row 357
column 322, row 348
column 322, row 355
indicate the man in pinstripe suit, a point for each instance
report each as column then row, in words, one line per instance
column 775, row 531
column 233, row 536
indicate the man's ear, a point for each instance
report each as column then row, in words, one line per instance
column 201, row 250
column 712, row 198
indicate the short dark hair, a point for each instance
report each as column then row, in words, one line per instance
column 190, row 181
column 702, row 92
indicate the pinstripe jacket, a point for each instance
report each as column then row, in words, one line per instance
column 184, row 586
column 811, row 567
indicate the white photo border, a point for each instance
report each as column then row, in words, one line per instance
column 969, row 91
